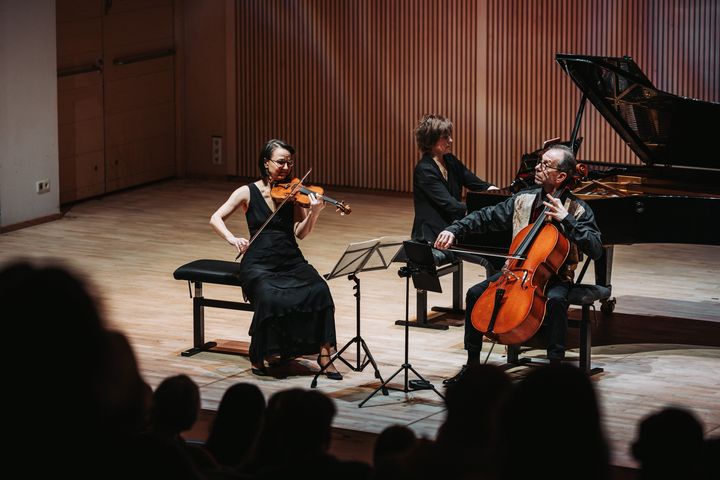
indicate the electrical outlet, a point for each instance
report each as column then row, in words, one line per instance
column 217, row 150
column 42, row 186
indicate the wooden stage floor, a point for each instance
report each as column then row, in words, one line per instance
column 128, row 244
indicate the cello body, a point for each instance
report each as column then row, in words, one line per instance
column 513, row 307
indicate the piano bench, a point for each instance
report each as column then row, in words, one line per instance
column 208, row 271
column 421, row 305
column 585, row 296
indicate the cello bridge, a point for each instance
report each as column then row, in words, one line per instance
column 509, row 273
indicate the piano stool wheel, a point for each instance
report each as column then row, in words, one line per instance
column 607, row 306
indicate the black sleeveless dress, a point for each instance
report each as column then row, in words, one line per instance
column 294, row 311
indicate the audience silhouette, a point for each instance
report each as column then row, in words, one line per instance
column 236, row 425
column 87, row 412
column 471, row 427
column 670, row 444
column 392, row 449
column 295, row 439
column 175, row 407
column 83, row 397
column 552, row 419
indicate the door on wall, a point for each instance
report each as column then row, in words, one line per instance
column 80, row 99
column 116, row 94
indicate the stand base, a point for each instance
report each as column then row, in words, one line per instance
column 544, row 362
column 195, row 350
column 359, row 365
column 413, row 385
column 415, row 323
column 230, row 347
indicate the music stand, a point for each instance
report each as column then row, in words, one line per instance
column 421, row 267
column 376, row 254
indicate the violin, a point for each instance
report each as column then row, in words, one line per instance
column 512, row 308
column 295, row 191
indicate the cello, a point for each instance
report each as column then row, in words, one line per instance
column 513, row 307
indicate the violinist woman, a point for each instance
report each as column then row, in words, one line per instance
column 294, row 311
column 574, row 219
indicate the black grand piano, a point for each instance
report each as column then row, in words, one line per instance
column 674, row 197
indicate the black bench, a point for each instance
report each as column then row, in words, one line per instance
column 584, row 295
column 208, row 271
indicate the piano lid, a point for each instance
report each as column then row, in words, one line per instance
column 661, row 128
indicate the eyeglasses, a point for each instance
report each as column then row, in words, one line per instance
column 547, row 166
column 282, row 163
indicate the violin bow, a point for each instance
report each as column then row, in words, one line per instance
column 277, row 209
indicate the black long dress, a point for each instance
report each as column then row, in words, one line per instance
column 294, row 311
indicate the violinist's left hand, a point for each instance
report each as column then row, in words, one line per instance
column 316, row 203
column 556, row 210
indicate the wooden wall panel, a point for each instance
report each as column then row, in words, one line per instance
column 345, row 82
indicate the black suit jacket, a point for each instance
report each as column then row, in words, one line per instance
column 438, row 203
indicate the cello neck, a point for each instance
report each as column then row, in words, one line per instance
column 539, row 222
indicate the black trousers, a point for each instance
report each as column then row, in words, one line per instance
column 556, row 316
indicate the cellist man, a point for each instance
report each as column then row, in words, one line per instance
column 574, row 219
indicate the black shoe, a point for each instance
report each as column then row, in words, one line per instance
column 457, row 377
column 260, row 372
column 330, row 375
column 555, row 357
column 279, row 362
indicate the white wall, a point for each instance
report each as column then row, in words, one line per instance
column 28, row 110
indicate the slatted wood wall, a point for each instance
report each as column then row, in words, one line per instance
column 346, row 81
column 529, row 98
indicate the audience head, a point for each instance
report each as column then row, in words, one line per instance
column 94, row 382
column 175, row 405
column 473, row 405
column 237, row 423
column 557, row 406
column 79, row 380
column 669, row 444
column 392, row 445
column 289, row 412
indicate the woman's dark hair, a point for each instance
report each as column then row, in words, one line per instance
column 267, row 151
column 429, row 130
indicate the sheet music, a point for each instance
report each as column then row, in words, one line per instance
column 375, row 254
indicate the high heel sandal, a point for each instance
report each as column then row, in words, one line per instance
column 331, row 375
